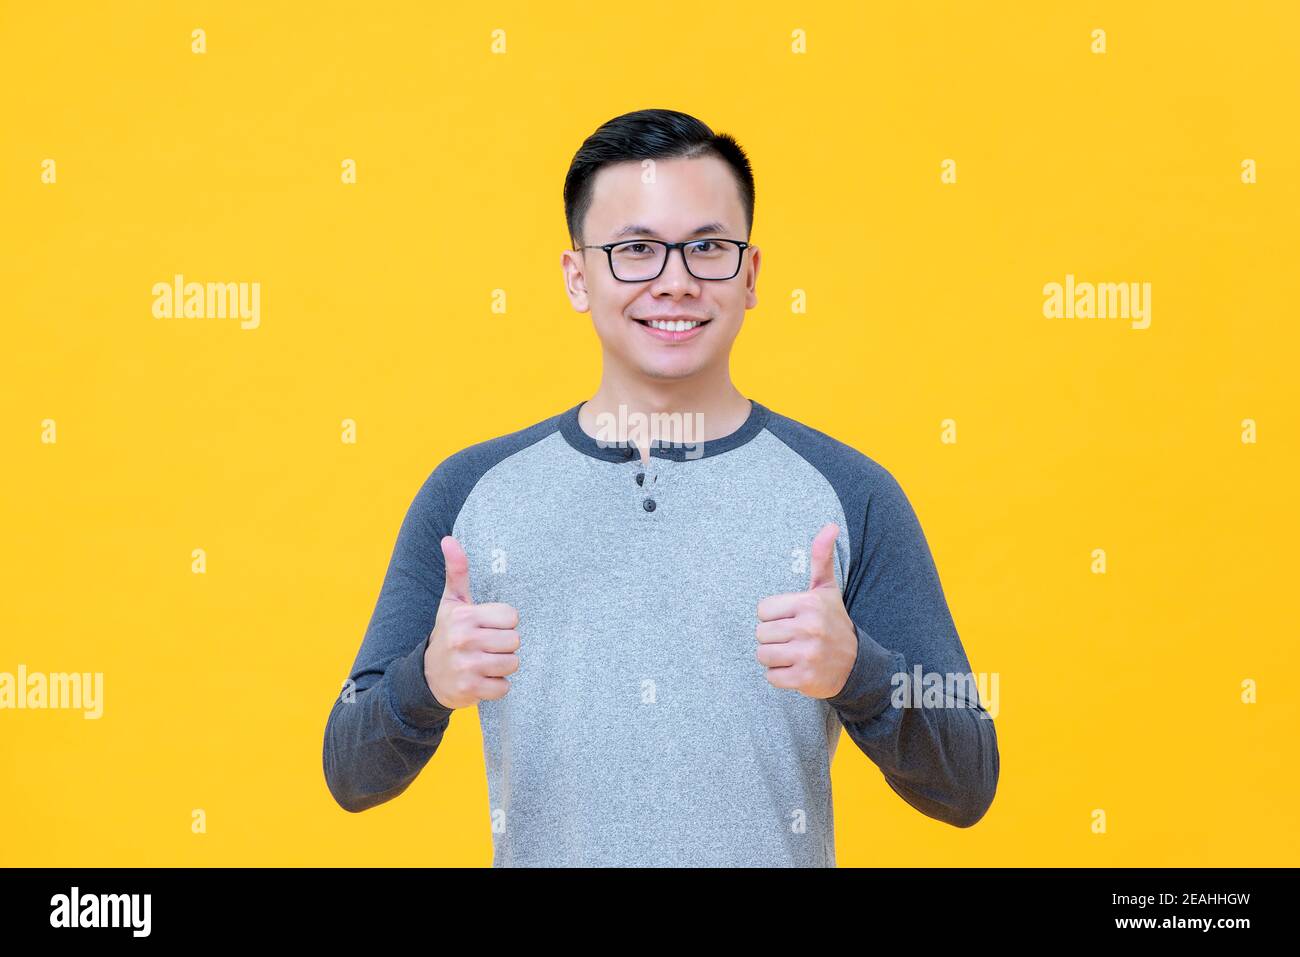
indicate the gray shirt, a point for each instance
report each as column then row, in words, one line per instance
column 640, row 729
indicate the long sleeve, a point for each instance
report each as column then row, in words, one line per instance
column 386, row 724
column 942, row 760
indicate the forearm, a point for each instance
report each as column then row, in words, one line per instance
column 939, row 756
column 378, row 739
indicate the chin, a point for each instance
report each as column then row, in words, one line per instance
column 663, row 370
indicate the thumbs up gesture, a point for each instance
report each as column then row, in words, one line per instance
column 806, row 639
column 472, row 647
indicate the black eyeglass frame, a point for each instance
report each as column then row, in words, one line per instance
column 609, row 254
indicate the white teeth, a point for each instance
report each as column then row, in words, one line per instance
column 679, row 326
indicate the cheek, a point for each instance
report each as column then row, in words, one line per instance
column 736, row 297
column 614, row 301
column 610, row 320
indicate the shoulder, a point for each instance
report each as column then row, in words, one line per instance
column 849, row 470
column 883, row 524
column 447, row 487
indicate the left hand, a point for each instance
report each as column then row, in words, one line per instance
column 806, row 639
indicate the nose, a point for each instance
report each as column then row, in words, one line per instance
column 675, row 274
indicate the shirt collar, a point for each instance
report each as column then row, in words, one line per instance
column 678, row 451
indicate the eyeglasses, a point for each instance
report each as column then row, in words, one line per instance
column 639, row 260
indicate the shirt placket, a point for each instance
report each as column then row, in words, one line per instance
column 648, row 481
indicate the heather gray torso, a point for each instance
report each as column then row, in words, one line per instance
column 640, row 728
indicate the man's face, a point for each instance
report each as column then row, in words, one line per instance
column 684, row 194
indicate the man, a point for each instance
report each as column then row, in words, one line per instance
column 663, row 634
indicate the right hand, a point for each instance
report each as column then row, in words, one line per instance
column 472, row 647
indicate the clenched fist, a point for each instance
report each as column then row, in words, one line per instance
column 472, row 647
column 806, row 639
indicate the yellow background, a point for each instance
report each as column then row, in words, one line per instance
column 1119, row 692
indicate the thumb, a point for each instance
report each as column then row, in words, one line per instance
column 457, row 564
column 823, row 554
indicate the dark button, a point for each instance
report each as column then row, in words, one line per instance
column 649, row 505
column 640, row 477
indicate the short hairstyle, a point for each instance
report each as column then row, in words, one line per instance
column 649, row 134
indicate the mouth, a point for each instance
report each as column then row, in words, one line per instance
column 673, row 330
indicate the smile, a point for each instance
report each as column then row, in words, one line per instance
column 672, row 330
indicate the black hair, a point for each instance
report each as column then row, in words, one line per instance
column 649, row 134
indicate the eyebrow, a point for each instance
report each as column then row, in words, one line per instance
column 636, row 229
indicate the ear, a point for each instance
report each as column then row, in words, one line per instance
column 753, row 254
column 575, row 279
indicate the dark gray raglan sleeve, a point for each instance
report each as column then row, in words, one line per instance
column 941, row 760
column 386, row 724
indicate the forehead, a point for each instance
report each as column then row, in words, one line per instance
column 670, row 196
